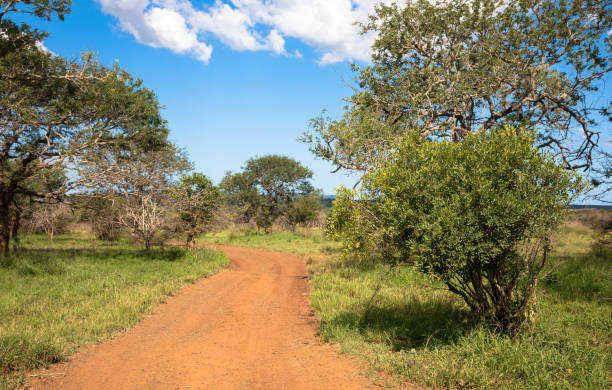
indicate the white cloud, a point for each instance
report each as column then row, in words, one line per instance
column 249, row 25
column 170, row 30
column 41, row 46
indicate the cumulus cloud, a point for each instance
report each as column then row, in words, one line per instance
column 248, row 25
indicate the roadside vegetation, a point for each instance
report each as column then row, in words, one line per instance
column 58, row 297
column 408, row 328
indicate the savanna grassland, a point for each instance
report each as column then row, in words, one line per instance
column 408, row 329
column 59, row 296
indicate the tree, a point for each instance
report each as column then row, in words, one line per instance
column 50, row 218
column 41, row 8
column 449, row 69
column 196, row 199
column 101, row 214
column 241, row 194
column 304, row 210
column 476, row 215
column 54, row 111
column 266, row 185
column 137, row 177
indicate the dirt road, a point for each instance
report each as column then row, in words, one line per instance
column 249, row 327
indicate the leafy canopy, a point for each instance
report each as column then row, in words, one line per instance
column 56, row 115
column 266, row 186
column 196, row 199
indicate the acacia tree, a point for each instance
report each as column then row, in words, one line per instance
column 449, row 69
column 266, row 186
column 53, row 111
column 196, row 199
column 475, row 215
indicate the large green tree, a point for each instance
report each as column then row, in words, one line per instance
column 54, row 111
column 266, row 186
column 451, row 68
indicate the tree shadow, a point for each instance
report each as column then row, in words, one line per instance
column 50, row 260
column 416, row 324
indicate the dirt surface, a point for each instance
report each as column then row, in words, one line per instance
column 249, row 327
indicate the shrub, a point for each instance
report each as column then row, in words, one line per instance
column 475, row 214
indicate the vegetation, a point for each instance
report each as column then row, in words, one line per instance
column 310, row 244
column 268, row 188
column 56, row 297
column 448, row 69
column 475, row 215
column 408, row 328
column 136, row 178
column 196, row 200
column 462, row 125
column 56, row 112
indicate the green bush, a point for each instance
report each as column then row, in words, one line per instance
column 476, row 215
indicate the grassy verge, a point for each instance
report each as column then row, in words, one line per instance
column 417, row 332
column 57, row 297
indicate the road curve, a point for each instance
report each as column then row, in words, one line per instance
column 248, row 327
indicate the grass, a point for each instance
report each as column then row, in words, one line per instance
column 309, row 244
column 406, row 328
column 57, row 297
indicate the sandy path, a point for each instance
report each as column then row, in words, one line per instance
column 250, row 327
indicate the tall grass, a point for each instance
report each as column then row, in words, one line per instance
column 56, row 297
column 407, row 328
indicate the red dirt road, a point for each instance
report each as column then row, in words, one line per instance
column 250, row 327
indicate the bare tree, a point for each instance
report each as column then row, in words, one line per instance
column 136, row 179
column 50, row 218
column 143, row 215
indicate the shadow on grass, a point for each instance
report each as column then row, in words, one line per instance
column 51, row 261
column 417, row 324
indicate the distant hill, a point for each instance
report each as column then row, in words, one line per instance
column 592, row 206
column 327, row 200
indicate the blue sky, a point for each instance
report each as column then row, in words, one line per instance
column 239, row 104
column 237, row 81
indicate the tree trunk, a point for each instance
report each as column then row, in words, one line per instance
column 5, row 224
column 14, row 226
column 191, row 242
column 147, row 243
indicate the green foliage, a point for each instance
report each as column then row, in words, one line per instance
column 41, row 8
column 304, row 210
column 476, row 215
column 266, row 188
column 403, row 324
column 196, row 199
column 56, row 114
